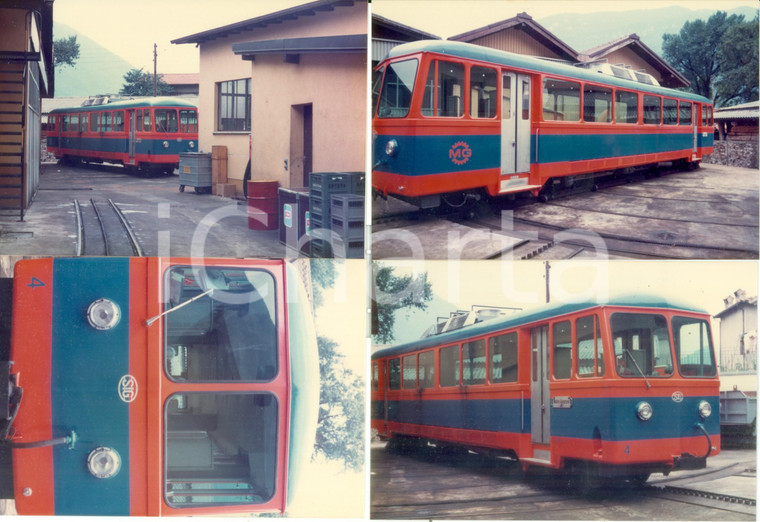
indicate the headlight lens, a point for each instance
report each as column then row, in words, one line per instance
column 705, row 410
column 391, row 148
column 104, row 462
column 103, row 314
column 644, row 410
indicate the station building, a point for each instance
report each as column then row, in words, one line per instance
column 287, row 90
column 26, row 76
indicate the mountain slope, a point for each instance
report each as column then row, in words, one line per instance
column 97, row 71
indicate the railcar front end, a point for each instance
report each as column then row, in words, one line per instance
column 160, row 386
column 624, row 389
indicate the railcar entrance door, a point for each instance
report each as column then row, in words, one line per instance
column 539, row 385
column 515, row 123
column 695, row 127
column 131, row 116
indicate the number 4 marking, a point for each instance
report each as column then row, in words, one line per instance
column 627, row 451
column 35, row 283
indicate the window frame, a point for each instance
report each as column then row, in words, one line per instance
column 228, row 103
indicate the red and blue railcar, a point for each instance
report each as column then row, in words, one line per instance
column 148, row 134
column 160, row 386
column 622, row 389
column 453, row 119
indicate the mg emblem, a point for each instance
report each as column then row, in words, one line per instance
column 127, row 388
column 460, row 153
column 677, row 396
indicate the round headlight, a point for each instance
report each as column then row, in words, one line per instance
column 391, row 148
column 103, row 314
column 191, row 144
column 165, row 144
column 705, row 410
column 644, row 410
column 104, row 462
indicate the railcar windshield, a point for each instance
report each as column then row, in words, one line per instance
column 642, row 345
column 220, row 325
column 220, row 448
column 693, row 345
column 396, row 90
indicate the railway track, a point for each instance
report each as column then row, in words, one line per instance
column 678, row 215
column 103, row 230
column 428, row 485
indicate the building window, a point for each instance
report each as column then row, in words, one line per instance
column 234, row 105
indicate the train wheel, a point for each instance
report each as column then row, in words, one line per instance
column 181, row 188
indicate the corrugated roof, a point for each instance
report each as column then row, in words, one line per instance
column 742, row 111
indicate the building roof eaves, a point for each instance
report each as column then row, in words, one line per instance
column 526, row 22
column 392, row 24
column 291, row 13
column 314, row 44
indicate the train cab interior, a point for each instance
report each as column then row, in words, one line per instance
column 221, row 447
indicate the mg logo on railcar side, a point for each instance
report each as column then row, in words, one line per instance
column 677, row 396
column 127, row 388
column 460, row 153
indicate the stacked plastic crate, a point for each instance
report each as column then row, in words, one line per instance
column 347, row 221
column 322, row 187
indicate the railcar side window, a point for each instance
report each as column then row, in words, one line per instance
column 95, row 122
column 188, row 121
column 693, row 347
column 65, row 122
column 669, row 112
column 626, row 107
column 166, row 120
column 652, row 109
column 397, row 88
column 642, row 345
column 449, row 366
column 118, row 121
column 74, row 122
column 589, row 345
column 502, row 353
column 506, row 97
column 597, row 104
column 709, row 115
column 684, row 113
column 220, row 448
column 375, row 376
column 561, row 100
column 146, row 120
column 427, row 369
column 474, row 362
column 450, row 89
column 220, row 325
column 409, row 367
column 483, row 92
column 105, row 122
column 84, row 122
column 563, row 349
column 394, row 374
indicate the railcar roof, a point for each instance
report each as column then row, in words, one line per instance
column 486, row 54
column 160, row 101
column 530, row 316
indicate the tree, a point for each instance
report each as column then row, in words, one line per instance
column 393, row 293
column 340, row 430
column 694, row 51
column 738, row 57
column 65, row 51
column 140, row 83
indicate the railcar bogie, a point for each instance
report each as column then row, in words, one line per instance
column 453, row 118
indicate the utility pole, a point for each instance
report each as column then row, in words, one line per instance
column 155, row 70
column 547, row 268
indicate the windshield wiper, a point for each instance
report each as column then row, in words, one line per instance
column 630, row 355
column 170, row 310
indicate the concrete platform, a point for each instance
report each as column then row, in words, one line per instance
column 165, row 221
